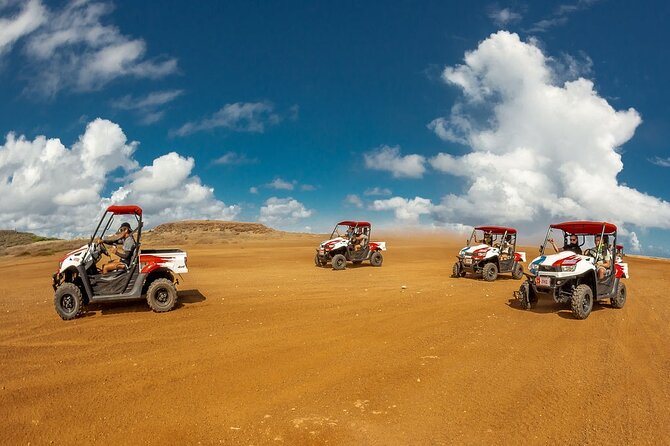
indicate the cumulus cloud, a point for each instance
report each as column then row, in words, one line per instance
column 281, row 212
column 280, row 184
column 48, row 188
column 377, row 191
column 406, row 211
column 19, row 23
column 71, row 48
column 253, row 117
column 635, row 245
column 354, row 200
column 389, row 159
column 540, row 150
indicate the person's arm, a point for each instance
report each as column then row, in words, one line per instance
column 551, row 240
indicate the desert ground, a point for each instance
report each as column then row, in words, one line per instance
column 265, row 348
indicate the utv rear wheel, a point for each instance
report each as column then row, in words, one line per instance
column 524, row 296
column 376, row 259
column 517, row 271
column 490, row 272
column 619, row 300
column 339, row 261
column 162, row 295
column 68, row 301
column 582, row 301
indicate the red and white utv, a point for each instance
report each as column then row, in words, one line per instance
column 149, row 274
column 621, row 266
column 349, row 241
column 490, row 250
column 571, row 275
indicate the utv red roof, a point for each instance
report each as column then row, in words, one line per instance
column 129, row 209
column 585, row 227
column 619, row 246
column 356, row 224
column 496, row 229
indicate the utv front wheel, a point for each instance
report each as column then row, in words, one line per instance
column 376, row 259
column 456, row 270
column 162, row 295
column 619, row 300
column 582, row 301
column 490, row 272
column 517, row 271
column 68, row 301
column 339, row 261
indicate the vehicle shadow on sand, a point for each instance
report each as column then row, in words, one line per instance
column 550, row 307
column 184, row 298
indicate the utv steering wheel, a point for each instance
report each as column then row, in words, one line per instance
column 590, row 253
column 103, row 249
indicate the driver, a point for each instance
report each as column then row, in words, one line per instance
column 572, row 245
column 123, row 238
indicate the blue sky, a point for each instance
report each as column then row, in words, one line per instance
column 297, row 114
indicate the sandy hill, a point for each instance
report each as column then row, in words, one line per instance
column 176, row 234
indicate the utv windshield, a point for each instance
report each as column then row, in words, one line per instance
column 579, row 238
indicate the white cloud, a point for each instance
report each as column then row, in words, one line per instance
column 540, row 150
column 406, row 211
column 234, row 159
column 280, row 184
column 389, row 159
column 48, row 188
column 148, row 102
column 28, row 19
column 504, row 16
column 73, row 49
column 635, row 245
column 560, row 15
column 308, row 188
column 251, row 117
column 281, row 212
column 253, row 190
column 354, row 200
column 663, row 162
column 377, row 191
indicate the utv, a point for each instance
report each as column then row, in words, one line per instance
column 572, row 277
column 494, row 253
column 149, row 273
column 349, row 242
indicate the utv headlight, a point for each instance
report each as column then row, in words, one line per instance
column 568, row 269
column 533, row 268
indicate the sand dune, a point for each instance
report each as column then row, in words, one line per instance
column 265, row 348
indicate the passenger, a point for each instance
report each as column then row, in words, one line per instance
column 359, row 239
column 123, row 238
column 506, row 247
column 602, row 256
column 487, row 240
column 572, row 245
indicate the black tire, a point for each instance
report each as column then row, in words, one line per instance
column 376, row 259
column 68, row 301
column 517, row 271
column 582, row 301
column 619, row 300
column 490, row 272
column 456, row 270
column 318, row 262
column 339, row 262
column 161, row 295
column 524, row 296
